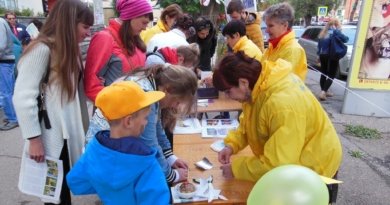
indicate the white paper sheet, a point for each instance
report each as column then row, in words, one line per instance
column 187, row 126
column 43, row 180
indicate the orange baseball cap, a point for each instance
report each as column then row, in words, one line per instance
column 124, row 98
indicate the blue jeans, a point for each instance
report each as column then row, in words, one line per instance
column 7, row 85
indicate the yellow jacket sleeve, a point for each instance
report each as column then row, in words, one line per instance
column 297, row 58
column 236, row 139
column 284, row 145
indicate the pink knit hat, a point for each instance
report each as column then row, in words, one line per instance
column 130, row 9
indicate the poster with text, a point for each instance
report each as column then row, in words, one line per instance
column 371, row 61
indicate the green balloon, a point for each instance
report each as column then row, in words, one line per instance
column 289, row 185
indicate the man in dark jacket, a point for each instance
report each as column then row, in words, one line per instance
column 19, row 30
column 236, row 11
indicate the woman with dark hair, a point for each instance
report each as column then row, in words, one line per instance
column 282, row 43
column 55, row 54
column 118, row 49
column 281, row 121
column 164, row 24
column 174, row 38
column 206, row 38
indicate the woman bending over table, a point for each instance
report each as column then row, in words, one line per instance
column 282, row 121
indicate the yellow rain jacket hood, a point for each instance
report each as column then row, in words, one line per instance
column 283, row 124
column 147, row 34
column 253, row 29
column 289, row 49
column 248, row 47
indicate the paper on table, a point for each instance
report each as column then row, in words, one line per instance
column 205, row 74
column 43, row 180
column 203, row 102
column 187, row 126
column 218, row 145
column 218, row 127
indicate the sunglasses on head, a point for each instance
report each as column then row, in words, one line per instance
column 205, row 26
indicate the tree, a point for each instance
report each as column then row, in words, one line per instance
column 354, row 6
column 194, row 8
column 307, row 8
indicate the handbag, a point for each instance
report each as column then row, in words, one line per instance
column 337, row 48
column 42, row 112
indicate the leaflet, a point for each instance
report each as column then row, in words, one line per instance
column 43, row 180
column 187, row 126
column 32, row 30
column 218, row 127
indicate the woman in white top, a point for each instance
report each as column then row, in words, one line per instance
column 55, row 51
column 175, row 37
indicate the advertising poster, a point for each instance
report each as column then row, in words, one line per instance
column 371, row 61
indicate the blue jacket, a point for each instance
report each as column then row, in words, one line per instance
column 17, row 48
column 153, row 135
column 130, row 174
column 324, row 43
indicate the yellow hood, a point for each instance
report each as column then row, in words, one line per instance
column 271, row 73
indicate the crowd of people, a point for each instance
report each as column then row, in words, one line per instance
column 140, row 80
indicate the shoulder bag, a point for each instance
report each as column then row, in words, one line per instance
column 42, row 112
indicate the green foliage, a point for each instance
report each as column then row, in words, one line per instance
column 113, row 4
column 40, row 14
column 362, row 132
column 2, row 11
column 24, row 12
column 355, row 153
column 192, row 7
column 306, row 7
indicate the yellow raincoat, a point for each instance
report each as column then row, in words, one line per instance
column 283, row 124
column 289, row 50
column 249, row 48
column 147, row 34
column 253, row 30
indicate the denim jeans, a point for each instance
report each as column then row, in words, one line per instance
column 7, row 84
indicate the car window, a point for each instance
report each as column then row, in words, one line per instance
column 311, row 34
column 350, row 32
column 298, row 32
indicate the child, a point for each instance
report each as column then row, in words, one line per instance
column 117, row 165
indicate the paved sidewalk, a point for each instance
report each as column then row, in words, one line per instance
column 366, row 179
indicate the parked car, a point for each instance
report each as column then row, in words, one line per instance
column 298, row 31
column 309, row 42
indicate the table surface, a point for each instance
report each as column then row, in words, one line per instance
column 192, row 148
column 221, row 104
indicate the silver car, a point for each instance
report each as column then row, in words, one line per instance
column 309, row 42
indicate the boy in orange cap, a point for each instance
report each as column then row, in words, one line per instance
column 117, row 165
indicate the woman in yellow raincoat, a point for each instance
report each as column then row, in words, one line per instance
column 282, row 121
column 279, row 19
column 164, row 24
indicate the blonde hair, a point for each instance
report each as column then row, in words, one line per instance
column 178, row 81
column 332, row 22
column 190, row 54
